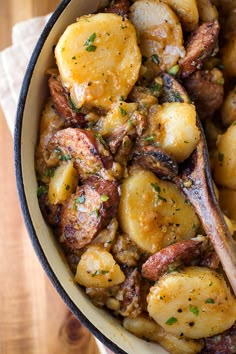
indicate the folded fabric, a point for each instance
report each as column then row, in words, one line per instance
column 14, row 61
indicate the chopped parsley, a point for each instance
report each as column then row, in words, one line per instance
column 194, row 310
column 158, row 190
column 90, row 40
column 73, row 106
column 209, row 301
column 174, row 70
column 104, row 198
column 150, row 138
column 42, row 190
column 171, row 321
column 67, row 187
column 80, row 200
column 220, row 156
column 91, row 48
column 122, row 111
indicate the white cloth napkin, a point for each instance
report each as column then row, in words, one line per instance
column 14, row 61
column 13, row 64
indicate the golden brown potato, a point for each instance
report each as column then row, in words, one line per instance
column 92, row 76
column 227, row 200
column 144, row 327
column 174, row 127
column 63, row 183
column 225, row 159
column 97, row 268
column 154, row 213
column 207, row 11
column 228, row 55
column 195, row 302
column 228, row 109
column 187, row 12
column 160, row 33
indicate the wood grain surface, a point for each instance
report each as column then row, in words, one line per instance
column 33, row 318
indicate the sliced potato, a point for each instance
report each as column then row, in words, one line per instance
column 144, row 327
column 187, row 12
column 161, row 37
column 98, row 59
column 195, row 303
column 97, row 268
column 63, row 183
column 154, row 213
column 228, row 109
column 174, row 126
column 207, row 11
column 228, row 54
column 225, row 159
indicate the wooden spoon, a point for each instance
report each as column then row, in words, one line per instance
column 196, row 182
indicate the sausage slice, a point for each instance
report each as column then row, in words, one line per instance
column 88, row 211
column 63, row 105
column 159, row 263
column 83, row 147
column 202, row 43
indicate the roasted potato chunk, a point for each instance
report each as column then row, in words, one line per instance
column 195, row 302
column 97, row 268
column 91, row 76
column 154, row 213
column 161, row 37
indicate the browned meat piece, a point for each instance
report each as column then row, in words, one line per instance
column 202, row 43
column 156, row 160
column 88, row 211
column 205, row 92
column 83, row 147
column 125, row 251
column 224, row 343
column 63, row 105
column 145, row 97
column 99, row 296
column 51, row 213
column 172, row 90
column 116, row 138
column 210, row 259
column 119, row 7
column 130, row 295
column 163, row 261
column 123, row 154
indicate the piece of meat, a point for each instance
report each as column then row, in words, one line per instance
column 99, row 296
column 206, row 93
column 162, row 261
column 130, row 295
column 155, row 159
column 83, row 147
column 51, row 213
column 116, row 138
column 63, row 104
column 119, row 7
column 202, row 43
column 133, row 128
column 125, row 251
column 210, row 260
column 88, row 211
column 223, row 343
column 172, row 90
column 124, row 152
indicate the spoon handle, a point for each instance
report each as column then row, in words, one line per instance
column 196, row 182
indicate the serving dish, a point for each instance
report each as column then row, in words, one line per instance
column 32, row 97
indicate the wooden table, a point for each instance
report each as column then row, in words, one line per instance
column 33, row 318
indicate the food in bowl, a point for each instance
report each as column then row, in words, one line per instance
column 120, row 120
